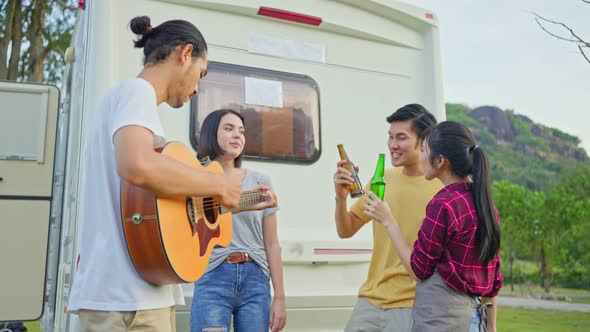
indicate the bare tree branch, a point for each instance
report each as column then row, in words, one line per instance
column 65, row 6
column 571, row 31
column 552, row 34
column 583, row 53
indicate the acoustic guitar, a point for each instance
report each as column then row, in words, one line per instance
column 170, row 239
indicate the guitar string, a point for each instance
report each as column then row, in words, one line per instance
column 254, row 198
column 209, row 206
column 248, row 197
column 248, row 194
column 245, row 197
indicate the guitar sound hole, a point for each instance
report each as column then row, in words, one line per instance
column 210, row 208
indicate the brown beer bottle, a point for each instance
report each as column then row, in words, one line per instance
column 356, row 189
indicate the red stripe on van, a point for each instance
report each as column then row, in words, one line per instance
column 333, row 251
column 289, row 16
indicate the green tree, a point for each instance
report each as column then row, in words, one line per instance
column 574, row 254
column 34, row 35
column 514, row 209
column 562, row 213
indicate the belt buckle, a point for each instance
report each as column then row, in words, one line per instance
column 243, row 256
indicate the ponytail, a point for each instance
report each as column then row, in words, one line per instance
column 488, row 230
column 455, row 142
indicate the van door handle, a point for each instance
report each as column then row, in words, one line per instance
column 1, row 178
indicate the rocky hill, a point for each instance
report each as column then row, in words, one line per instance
column 520, row 150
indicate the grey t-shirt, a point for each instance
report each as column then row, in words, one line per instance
column 246, row 229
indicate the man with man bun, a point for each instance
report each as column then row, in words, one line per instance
column 107, row 293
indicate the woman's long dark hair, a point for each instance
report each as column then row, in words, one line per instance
column 455, row 142
column 208, row 145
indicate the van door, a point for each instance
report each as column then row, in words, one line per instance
column 28, row 130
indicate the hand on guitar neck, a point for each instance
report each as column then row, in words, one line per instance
column 262, row 198
column 233, row 199
column 270, row 201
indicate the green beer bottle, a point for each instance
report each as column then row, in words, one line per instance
column 356, row 189
column 378, row 181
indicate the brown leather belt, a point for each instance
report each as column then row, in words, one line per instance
column 238, row 257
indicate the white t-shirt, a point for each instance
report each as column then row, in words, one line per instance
column 105, row 278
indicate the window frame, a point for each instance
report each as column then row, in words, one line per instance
column 194, row 110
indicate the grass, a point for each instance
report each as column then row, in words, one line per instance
column 584, row 300
column 525, row 290
column 536, row 289
column 525, row 267
column 516, row 319
column 33, row 326
column 569, row 291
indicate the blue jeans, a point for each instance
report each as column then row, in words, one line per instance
column 475, row 319
column 239, row 289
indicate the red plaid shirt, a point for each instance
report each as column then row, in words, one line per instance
column 446, row 242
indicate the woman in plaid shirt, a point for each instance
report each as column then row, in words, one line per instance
column 456, row 254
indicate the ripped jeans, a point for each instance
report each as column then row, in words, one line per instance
column 241, row 290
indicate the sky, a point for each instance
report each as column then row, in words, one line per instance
column 494, row 53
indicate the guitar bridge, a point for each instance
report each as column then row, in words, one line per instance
column 192, row 214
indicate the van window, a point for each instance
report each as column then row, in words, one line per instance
column 281, row 110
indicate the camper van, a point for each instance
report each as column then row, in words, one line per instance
column 306, row 75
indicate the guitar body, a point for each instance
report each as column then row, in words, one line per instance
column 170, row 239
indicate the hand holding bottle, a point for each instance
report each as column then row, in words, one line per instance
column 378, row 210
column 346, row 179
column 343, row 179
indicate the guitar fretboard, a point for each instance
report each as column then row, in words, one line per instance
column 249, row 198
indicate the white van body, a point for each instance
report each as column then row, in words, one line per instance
column 364, row 59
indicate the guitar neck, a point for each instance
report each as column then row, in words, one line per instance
column 249, row 198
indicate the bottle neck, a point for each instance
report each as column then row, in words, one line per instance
column 343, row 155
column 380, row 169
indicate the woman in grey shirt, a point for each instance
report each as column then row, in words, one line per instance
column 236, row 281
